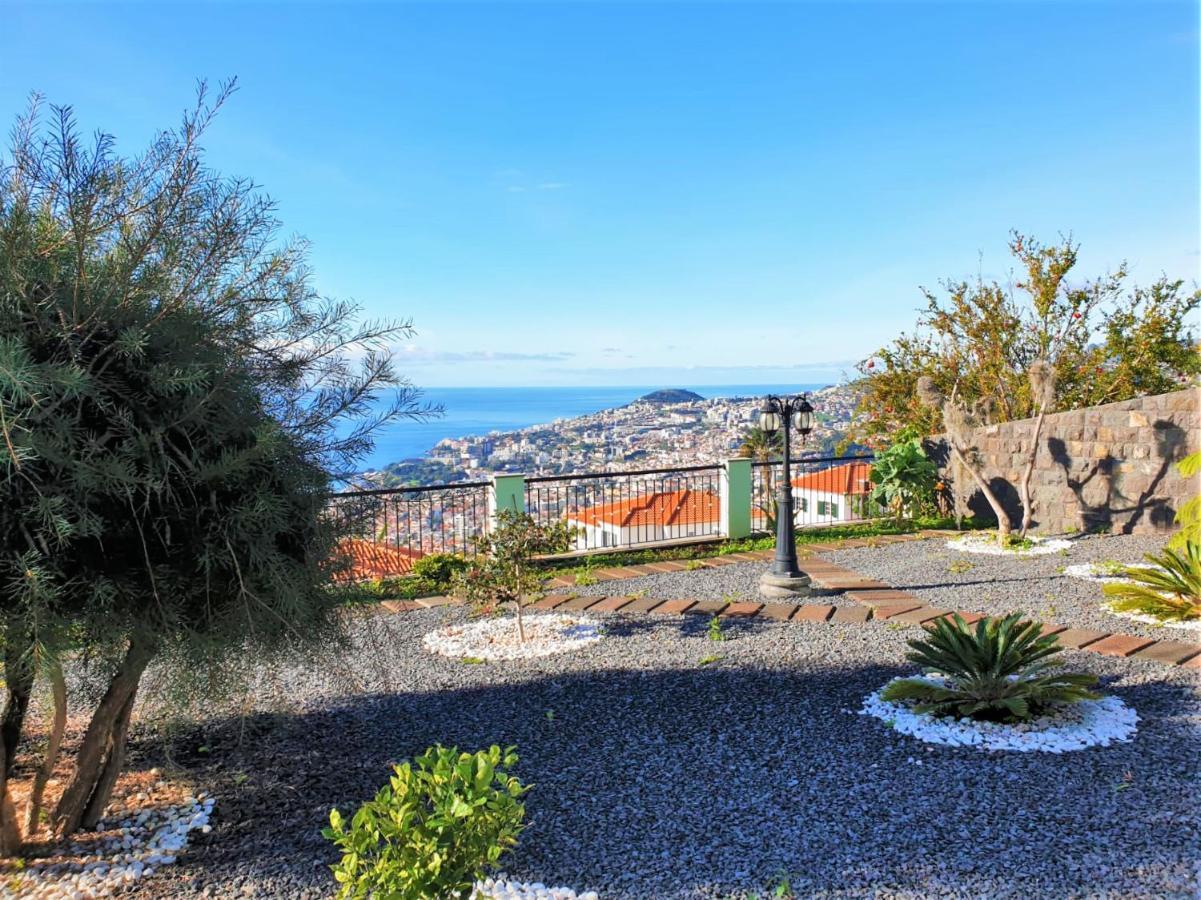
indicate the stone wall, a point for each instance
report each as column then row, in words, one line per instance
column 1106, row 468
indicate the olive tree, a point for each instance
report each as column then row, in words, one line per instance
column 175, row 399
column 985, row 353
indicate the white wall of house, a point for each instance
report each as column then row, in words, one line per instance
column 822, row 507
column 606, row 534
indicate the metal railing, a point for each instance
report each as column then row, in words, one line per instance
column 826, row 490
column 390, row 528
column 630, row 509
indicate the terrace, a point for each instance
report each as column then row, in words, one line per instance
column 670, row 764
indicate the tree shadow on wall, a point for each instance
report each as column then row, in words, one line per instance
column 1116, row 504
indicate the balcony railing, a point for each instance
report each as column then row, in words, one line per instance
column 387, row 530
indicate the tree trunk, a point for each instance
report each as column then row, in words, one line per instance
column 114, row 760
column 58, row 688
column 103, row 742
column 10, row 832
column 18, row 675
column 998, row 510
column 1024, row 484
column 520, row 623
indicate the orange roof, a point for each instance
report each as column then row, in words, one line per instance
column 666, row 508
column 373, row 559
column 845, row 480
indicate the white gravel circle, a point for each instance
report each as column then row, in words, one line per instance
column 977, row 542
column 140, row 844
column 1185, row 624
column 1094, row 572
column 497, row 638
column 1090, row 723
column 501, row 888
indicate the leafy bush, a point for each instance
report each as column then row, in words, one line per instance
column 439, row 825
column 1171, row 592
column 440, row 568
column 903, row 477
column 997, row 671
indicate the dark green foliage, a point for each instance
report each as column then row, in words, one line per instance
column 903, row 477
column 1171, row 592
column 172, row 393
column 439, row 825
column 1000, row 670
column 440, row 568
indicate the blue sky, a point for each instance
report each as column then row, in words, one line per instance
column 592, row 193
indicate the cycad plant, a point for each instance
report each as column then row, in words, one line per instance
column 998, row 671
column 1170, row 592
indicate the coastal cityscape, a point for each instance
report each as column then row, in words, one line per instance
column 660, row 430
column 692, row 450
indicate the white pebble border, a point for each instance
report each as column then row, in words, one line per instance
column 987, row 543
column 1090, row 723
column 500, row 888
column 140, row 844
column 497, row 638
column 1091, row 572
column 1185, row 624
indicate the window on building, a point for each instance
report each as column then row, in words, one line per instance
column 804, row 507
column 833, row 510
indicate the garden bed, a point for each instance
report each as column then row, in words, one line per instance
column 657, row 776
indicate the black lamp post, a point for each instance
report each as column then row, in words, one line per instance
column 788, row 413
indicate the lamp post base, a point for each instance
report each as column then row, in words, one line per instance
column 783, row 587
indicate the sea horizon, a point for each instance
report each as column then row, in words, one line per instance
column 480, row 410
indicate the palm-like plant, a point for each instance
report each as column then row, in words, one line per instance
column 764, row 446
column 1000, row 670
column 1171, row 591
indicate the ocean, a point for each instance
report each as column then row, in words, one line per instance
column 471, row 411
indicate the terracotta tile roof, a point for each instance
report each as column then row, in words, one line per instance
column 374, row 559
column 657, row 509
column 846, row 480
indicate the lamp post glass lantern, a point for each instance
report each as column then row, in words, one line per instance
column 784, row 578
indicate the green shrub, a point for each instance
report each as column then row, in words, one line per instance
column 997, row 671
column 503, row 572
column 439, row 825
column 903, row 477
column 440, row 568
column 1171, row 592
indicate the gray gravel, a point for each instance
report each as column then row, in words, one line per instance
column 735, row 582
column 660, row 778
column 997, row 584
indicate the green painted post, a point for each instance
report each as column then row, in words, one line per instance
column 505, row 492
column 736, row 498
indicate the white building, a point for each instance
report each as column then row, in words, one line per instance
column 838, row 494
column 661, row 516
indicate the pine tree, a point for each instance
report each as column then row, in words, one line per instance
column 173, row 400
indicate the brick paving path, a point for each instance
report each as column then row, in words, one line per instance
column 877, row 601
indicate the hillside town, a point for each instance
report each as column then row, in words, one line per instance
column 659, row 431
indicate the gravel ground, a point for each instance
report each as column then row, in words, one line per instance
column 998, row 584
column 736, row 582
column 660, row 778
